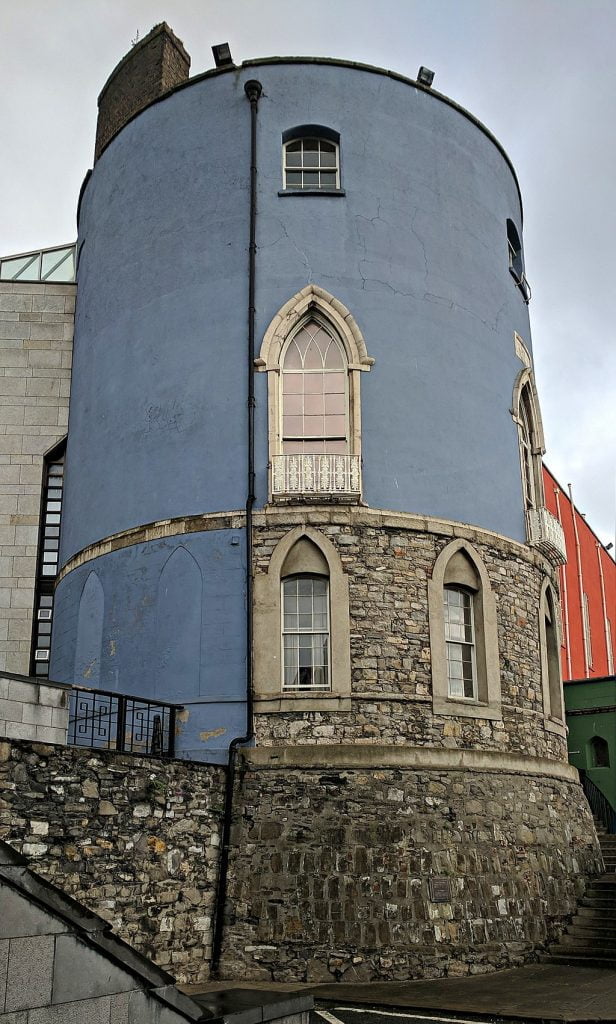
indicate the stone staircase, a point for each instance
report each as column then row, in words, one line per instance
column 590, row 939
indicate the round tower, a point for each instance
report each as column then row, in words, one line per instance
column 303, row 376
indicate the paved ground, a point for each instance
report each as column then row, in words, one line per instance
column 538, row 992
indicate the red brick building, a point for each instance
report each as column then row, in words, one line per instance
column 588, row 591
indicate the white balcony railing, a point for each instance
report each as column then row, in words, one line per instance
column 546, row 534
column 316, row 474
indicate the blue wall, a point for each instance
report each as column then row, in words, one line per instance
column 123, row 622
column 416, row 249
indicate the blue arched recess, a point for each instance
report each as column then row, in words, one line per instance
column 178, row 628
column 90, row 633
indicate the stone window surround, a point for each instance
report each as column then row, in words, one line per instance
column 488, row 705
column 525, row 382
column 312, row 301
column 267, row 666
column 553, row 716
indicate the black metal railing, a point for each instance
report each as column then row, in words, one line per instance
column 599, row 803
column 105, row 720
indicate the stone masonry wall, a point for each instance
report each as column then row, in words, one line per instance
column 330, row 871
column 36, row 336
column 134, row 839
column 388, row 568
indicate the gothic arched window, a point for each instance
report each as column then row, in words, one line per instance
column 463, row 635
column 314, row 353
column 315, row 413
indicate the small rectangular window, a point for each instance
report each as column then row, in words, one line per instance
column 311, row 164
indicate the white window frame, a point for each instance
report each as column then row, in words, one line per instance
column 303, row 169
column 449, row 643
column 299, row 632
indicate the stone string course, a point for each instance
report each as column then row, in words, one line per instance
column 388, row 570
column 330, row 872
column 134, row 839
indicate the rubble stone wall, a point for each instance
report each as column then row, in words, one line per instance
column 331, row 869
column 389, row 559
column 134, row 839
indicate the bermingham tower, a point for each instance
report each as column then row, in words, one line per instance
column 304, row 501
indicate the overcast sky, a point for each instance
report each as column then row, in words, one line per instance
column 541, row 74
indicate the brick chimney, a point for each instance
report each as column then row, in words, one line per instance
column 156, row 64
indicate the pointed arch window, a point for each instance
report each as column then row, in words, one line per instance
column 314, row 353
column 551, row 679
column 463, row 635
column 303, row 599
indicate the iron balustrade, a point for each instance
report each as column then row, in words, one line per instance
column 599, row 804
column 105, row 720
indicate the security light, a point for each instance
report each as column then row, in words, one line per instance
column 222, row 55
column 425, row 76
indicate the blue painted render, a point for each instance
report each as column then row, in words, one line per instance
column 195, row 657
column 416, row 249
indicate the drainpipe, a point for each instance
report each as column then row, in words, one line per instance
column 253, row 90
column 606, row 632
column 578, row 562
column 565, row 593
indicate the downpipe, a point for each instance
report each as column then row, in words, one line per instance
column 253, row 90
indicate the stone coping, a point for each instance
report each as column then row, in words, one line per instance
column 324, row 757
column 34, row 680
column 315, row 515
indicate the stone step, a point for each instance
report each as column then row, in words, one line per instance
column 577, row 960
column 602, row 902
column 593, row 914
column 606, row 882
column 605, row 944
column 585, row 927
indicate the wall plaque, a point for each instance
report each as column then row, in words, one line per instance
column 440, row 889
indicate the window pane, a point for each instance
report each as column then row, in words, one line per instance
column 328, row 180
column 294, row 178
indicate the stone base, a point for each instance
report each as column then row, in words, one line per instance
column 335, row 871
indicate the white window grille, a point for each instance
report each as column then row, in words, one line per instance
column 311, row 164
column 460, row 643
column 305, row 633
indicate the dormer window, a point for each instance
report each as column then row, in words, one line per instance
column 311, row 159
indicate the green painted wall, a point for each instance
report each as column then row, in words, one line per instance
column 591, row 712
